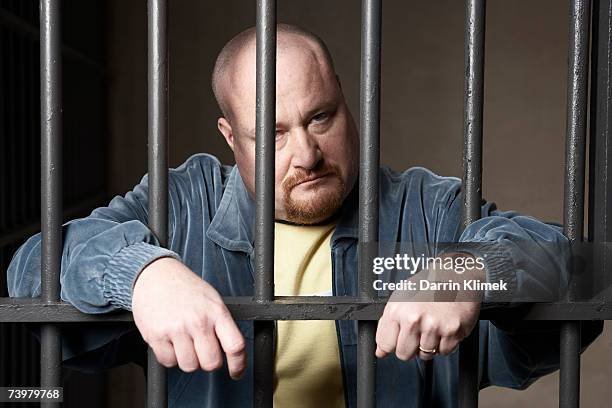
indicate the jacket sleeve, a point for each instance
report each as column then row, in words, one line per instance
column 532, row 257
column 102, row 255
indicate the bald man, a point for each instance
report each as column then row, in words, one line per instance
column 112, row 261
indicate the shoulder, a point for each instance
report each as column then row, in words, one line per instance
column 201, row 167
column 201, row 175
column 200, row 163
column 418, row 179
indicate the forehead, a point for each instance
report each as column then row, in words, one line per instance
column 303, row 76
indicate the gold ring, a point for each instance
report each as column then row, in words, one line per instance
column 434, row 351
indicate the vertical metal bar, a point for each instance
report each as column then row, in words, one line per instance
column 51, row 188
column 472, row 173
column 158, row 162
column 600, row 145
column 578, row 64
column 264, row 182
column 371, row 15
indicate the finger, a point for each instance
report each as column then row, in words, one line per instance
column 430, row 340
column 407, row 343
column 164, row 352
column 232, row 344
column 186, row 356
column 448, row 345
column 208, row 351
column 386, row 337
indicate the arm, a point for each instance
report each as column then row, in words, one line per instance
column 528, row 254
column 101, row 256
column 112, row 261
column 533, row 257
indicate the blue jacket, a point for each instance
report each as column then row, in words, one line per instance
column 211, row 221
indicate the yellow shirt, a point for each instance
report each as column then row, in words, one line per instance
column 307, row 366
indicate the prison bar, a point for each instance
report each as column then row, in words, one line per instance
column 472, row 174
column 51, row 187
column 158, row 163
column 600, row 145
column 573, row 204
column 27, row 310
column 371, row 15
column 264, row 202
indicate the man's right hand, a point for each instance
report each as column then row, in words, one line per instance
column 184, row 319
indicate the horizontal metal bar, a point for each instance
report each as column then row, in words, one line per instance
column 30, row 310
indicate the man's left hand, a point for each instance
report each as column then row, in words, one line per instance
column 439, row 326
column 412, row 323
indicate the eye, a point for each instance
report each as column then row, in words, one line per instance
column 320, row 117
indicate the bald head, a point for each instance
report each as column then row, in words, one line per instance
column 232, row 56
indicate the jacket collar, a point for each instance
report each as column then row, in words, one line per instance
column 233, row 224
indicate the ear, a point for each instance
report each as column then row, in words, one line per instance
column 226, row 130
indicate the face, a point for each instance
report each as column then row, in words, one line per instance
column 316, row 137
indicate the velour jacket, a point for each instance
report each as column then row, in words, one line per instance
column 211, row 230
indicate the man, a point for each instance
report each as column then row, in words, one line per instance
column 111, row 260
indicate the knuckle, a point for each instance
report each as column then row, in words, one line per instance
column 200, row 322
column 212, row 365
column 402, row 355
column 166, row 362
column 218, row 309
column 156, row 334
column 236, row 347
column 164, row 358
column 429, row 325
column 176, row 327
column 385, row 346
column 188, row 367
column 411, row 320
column 452, row 329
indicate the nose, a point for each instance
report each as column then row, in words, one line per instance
column 305, row 149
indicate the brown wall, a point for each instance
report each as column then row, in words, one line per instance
column 422, row 102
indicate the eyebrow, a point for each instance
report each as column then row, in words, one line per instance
column 329, row 105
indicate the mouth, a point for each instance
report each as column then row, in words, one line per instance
column 312, row 180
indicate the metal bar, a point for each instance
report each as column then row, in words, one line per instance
column 51, row 188
column 371, row 15
column 158, row 163
column 600, row 145
column 573, row 205
column 264, row 207
column 28, row 310
column 472, row 174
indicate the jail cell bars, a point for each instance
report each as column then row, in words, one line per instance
column 365, row 308
column 20, row 173
column 51, row 188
